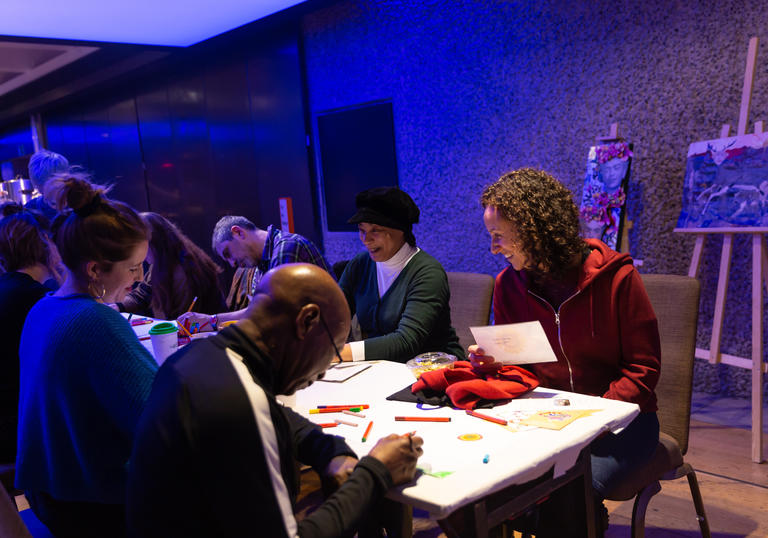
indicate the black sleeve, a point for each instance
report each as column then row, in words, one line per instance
column 346, row 509
column 348, row 283
column 313, row 447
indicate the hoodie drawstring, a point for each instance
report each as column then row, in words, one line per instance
column 591, row 313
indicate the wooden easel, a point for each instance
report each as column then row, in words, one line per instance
column 626, row 225
column 759, row 277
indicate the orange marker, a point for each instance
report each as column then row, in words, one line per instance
column 487, row 417
column 367, row 431
column 423, row 419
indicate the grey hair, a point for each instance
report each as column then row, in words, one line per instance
column 223, row 229
column 44, row 164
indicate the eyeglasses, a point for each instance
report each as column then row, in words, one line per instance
column 328, row 331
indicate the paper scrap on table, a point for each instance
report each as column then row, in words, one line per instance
column 515, row 343
column 342, row 371
column 556, row 420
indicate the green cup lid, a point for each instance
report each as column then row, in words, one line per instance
column 163, row 328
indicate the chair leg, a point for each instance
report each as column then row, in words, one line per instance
column 641, row 504
column 699, row 504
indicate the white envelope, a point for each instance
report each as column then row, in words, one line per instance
column 515, row 343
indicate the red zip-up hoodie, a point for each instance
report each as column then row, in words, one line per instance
column 605, row 335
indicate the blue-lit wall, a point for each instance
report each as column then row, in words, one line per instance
column 15, row 143
column 481, row 87
column 216, row 132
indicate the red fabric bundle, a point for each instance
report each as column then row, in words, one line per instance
column 466, row 388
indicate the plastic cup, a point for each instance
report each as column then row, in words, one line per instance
column 165, row 340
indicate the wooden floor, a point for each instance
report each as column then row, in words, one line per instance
column 734, row 489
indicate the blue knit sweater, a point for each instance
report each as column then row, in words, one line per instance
column 84, row 380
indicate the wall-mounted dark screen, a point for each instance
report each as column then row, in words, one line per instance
column 357, row 152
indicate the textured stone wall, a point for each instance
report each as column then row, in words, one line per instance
column 479, row 88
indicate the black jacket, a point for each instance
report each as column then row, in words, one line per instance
column 214, row 453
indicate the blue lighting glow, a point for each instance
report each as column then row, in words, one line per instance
column 146, row 22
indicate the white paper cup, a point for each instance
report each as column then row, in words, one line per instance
column 165, row 340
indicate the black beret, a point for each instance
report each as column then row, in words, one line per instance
column 386, row 206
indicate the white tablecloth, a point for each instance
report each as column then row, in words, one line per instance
column 142, row 331
column 513, row 457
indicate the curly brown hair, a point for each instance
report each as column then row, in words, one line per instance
column 545, row 215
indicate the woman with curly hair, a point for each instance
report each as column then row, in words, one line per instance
column 179, row 272
column 593, row 307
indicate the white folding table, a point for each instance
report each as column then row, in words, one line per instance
column 522, row 466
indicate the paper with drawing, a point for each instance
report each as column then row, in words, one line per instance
column 515, row 343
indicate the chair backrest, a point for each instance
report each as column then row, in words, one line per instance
column 11, row 524
column 471, row 295
column 675, row 300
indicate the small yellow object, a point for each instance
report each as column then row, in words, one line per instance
column 470, row 437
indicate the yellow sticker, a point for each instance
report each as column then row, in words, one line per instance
column 470, row 437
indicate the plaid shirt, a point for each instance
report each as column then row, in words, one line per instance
column 281, row 247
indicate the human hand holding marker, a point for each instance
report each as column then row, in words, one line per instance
column 399, row 454
column 188, row 319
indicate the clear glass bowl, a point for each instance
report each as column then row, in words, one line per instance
column 430, row 361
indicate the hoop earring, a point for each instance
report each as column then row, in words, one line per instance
column 96, row 295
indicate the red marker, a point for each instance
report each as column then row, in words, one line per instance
column 487, row 417
column 328, row 425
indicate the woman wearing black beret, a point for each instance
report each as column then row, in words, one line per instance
column 399, row 292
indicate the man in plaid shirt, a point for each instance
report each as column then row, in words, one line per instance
column 241, row 244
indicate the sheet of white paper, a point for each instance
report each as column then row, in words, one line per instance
column 343, row 371
column 516, row 343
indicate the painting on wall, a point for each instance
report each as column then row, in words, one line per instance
column 605, row 188
column 726, row 183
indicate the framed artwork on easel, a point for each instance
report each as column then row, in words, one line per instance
column 726, row 183
column 605, row 191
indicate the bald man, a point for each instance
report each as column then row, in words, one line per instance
column 214, row 452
